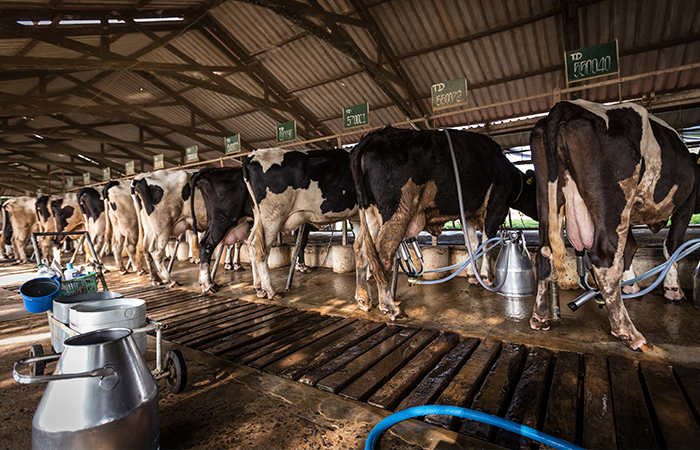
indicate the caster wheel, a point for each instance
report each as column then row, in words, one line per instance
column 37, row 368
column 175, row 364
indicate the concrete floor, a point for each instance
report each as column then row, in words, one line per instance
column 227, row 405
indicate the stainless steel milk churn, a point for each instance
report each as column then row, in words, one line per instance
column 515, row 265
column 101, row 395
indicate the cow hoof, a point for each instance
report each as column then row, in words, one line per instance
column 140, row 272
column 174, row 284
column 208, row 290
column 631, row 289
column 260, row 293
column 539, row 323
column 123, row 272
column 156, row 283
column 674, row 294
column 227, row 266
column 472, row 279
column 303, row 268
column 364, row 304
column 396, row 315
column 638, row 345
column 238, row 268
column 276, row 296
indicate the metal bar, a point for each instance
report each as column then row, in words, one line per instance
column 174, row 255
column 36, row 249
column 77, row 248
column 395, row 276
column 297, row 246
column 344, row 238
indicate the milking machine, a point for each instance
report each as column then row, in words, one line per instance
column 515, row 274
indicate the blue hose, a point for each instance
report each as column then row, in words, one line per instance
column 465, row 413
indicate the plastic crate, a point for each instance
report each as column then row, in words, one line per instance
column 81, row 285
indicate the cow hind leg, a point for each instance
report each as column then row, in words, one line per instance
column 541, row 316
column 362, row 295
column 620, row 322
column 672, row 284
column 628, row 274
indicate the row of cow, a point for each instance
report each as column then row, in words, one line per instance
column 603, row 168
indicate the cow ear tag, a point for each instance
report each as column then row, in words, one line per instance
column 531, row 179
column 698, row 161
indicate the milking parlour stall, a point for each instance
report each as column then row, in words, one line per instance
column 342, row 224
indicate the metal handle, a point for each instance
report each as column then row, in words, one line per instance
column 108, row 376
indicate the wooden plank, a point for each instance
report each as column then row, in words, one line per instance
column 270, row 342
column 678, row 426
column 562, row 408
column 391, row 393
column 261, row 316
column 439, row 378
column 690, row 378
column 307, row 348
column 258, row 333
column 325, row 355
column 528, row 398
column 201, row 312
column 495, row 393
column 598, row 420
column 363, row 387
column 360, row 364
column 288, row 348
column 204, row 324
column 334, row 365
column 633, row 425
column 463, row 388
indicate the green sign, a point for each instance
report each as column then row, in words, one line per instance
column 286, row 131
column 191, row 154
column 86, row 178
column 38, row 192
column 233, row 144
column 158, row 162
column 27, row 193
column 449, row 94
column 106, row 173
column 356, row 116
column 69, row 182
column 129, row 166
column 591, row 62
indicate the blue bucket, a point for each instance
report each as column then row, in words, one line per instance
column 38, row 294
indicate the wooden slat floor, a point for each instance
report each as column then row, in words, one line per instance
column 588, row 399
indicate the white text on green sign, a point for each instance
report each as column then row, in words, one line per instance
column 591, row 62
column 286, row 131
column 69, row 182
column 86, row 178
column 158, row 162
column 233, row 144
column 356, row 116
column 449, row 94
column 106, row 173
column 129, row 166
column 191, row 154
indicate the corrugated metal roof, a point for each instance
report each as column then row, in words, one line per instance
column 305, row 64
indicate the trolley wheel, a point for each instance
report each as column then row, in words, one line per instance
column 37, row 368
column 175, row 364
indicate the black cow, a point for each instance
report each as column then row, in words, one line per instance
column 93, row 209
column 606, row 168
column 289, row 188
column 229, row 214
column 46, row 225
column 406, row 184
column 6, row 238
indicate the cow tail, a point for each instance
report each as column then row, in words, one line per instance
column 193, row 186
column 555, row 215
column 364, row 198
column 256, row 234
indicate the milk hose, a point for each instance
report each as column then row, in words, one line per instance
column 480, row 251
column 479, row 416
column 462, row 217
column 664, row 268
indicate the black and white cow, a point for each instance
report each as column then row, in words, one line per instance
column 122, row 224
column 289, row 188
column 22, row 215
column 604, row 169
column 67, row 216
column 92, row 208
column 47, row 224
column 161, row 200
column 6, row 237
column 229, row 213
column 406, row 184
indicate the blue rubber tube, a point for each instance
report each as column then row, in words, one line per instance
column 465, row 413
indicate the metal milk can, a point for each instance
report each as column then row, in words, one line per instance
column 101, row 395
column 515, row 265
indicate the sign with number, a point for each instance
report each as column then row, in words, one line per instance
column 69, row 182
column 233, row 144
column 129, row 166
column 38, row 192
column 591, row 62
column 286, row 131
column 449, row 94
column 356, row 116
column 86, row 178
column 106, row 173
column 191, row 154
column 158, row 162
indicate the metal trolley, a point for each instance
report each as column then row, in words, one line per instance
column 172, row 367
